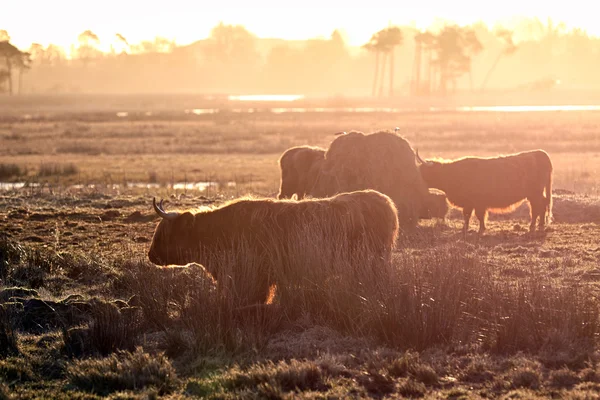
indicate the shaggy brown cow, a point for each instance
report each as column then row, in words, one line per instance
column 299, row 170
column 436, row 205
column 496, row 183
column 382, row 161
column 267, row 232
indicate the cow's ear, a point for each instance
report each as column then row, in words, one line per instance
column 185, row 220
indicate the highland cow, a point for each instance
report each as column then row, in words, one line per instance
column 436, row 205
column 495, row 183
column 299, row 171
column 382, row 161
column 270, row 231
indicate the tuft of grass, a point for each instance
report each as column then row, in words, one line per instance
column 412, row 389
column 110, row 329
column 377, row 383
column 410, row 365
column 123, row 371
column 15, row 369
column 4, row 392
column 287, row 376
column 402, row 366
column 10, row 254
column 55, row 169
column 152, row 177
column 25, row 266
column 479, row 370
column 8, row 337
column 80, row 147
column 426, row 374
column 525, row 377
column 564, row 378
column 8, row 171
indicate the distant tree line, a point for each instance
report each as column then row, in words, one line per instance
column 396, row 60
column 12, row 61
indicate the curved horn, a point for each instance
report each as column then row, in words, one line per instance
column 161, row 211
column 419, row 158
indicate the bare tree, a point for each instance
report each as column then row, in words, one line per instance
column 12, row 58
column 382, row 44
column 88, row 50
column 393, row 38
column 371, row 46
column 509, row 48
column 455, row 46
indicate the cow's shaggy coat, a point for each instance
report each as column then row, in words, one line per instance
column 299, row 171
column 381, row 161
column 436, row 205
column 495, row 183
column 269, row 231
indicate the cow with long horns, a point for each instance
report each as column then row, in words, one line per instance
column 494, row 183
column 262, row 234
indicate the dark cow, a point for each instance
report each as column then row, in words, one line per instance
column 495, row 183
column 271, row 231
column 436, row 205
column 299, row 170
column 302, row 175
column 382, row 161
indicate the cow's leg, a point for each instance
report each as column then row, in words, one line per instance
column 467, row 212
column 537, row 210
column 481, row 213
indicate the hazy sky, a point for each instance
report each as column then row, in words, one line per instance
column 61, row 21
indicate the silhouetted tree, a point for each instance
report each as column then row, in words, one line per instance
column 158, row 45
column 423, row 64
column 382, row 44
column 122, row 43
column 22, row 64
column 415, row 84
column 11, row 58
column 371, row 46
column 455, row 46
column 393, row 37
column 87, row 49
column 232, row 42
column 509, row 48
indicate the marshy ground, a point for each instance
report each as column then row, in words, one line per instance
column 85, row 315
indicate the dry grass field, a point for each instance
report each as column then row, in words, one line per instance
column 84, row 314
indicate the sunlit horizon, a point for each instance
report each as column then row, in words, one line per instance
column 61, row 21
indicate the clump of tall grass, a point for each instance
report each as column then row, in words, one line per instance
column 123, row 371
column 447, row 295
column 8, row 171
column 110, row 328
column 8, row 337
column 26, row 266
column 56, row 169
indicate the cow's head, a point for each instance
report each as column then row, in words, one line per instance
column 430, row 170
column 171, row 241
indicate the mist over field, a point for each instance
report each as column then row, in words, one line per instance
column 95, row 126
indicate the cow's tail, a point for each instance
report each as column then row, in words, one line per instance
column 548, row 190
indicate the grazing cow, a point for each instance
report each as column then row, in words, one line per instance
column 299, row 170
column 271, row 231
column 496, row 183
column 436, row 205
column 382, row 161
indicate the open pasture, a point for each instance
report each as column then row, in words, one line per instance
column 86, row 315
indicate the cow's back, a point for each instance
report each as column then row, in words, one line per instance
column 495, row 182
